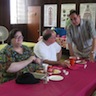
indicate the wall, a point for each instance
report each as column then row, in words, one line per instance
column 58, row 2
column 5, row 11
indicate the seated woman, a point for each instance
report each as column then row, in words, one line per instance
column 18, row 58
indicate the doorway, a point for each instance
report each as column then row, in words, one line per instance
column 34, row 23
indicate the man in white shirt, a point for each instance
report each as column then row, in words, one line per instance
column 48, row 49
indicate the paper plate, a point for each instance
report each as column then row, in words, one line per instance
column 78, row 61
column 56, row 77
column 81, row 61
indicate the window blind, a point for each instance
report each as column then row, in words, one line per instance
column 18, row 11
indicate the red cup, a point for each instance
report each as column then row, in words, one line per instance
column 50, row 68
column 72, row 60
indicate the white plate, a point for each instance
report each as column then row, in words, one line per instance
column 81, row 62
column 78, row 61
column 56, row 77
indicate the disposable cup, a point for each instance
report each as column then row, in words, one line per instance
column 72, row 60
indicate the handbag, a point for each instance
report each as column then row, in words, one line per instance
column 26, row 78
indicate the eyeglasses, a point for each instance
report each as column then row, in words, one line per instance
column 19, row 37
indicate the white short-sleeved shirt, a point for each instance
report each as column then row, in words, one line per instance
column 46, row 52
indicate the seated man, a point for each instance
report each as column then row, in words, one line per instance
column 48, row 49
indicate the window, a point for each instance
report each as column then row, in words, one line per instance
column 18, row 11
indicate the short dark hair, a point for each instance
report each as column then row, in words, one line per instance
column 73, row 11
column 47, row 34
column 12, row 34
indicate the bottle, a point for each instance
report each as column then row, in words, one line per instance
column 46, row 78
column 87, row 14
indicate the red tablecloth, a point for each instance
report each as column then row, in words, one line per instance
column 80, row 82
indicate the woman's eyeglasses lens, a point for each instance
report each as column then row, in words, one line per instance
column 19, row 37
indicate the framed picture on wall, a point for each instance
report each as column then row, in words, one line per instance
column 65, row 9
column 88, row 11
column 50, row 15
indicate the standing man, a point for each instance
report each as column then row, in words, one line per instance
column 82, row 34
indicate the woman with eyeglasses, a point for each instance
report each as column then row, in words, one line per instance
column 18, row 58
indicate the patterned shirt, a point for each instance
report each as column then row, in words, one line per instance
column 81, row 35
column 13, row 56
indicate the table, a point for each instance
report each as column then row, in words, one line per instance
column 28, row 44
column 80, row 82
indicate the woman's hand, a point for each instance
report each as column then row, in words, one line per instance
column 32, row 58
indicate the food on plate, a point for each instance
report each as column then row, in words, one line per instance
column 56, row 71
column 40, row 71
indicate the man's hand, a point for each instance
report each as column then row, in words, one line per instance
column 65, row 64
column 92, row 57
